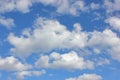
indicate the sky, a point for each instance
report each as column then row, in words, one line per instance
column 59, row 40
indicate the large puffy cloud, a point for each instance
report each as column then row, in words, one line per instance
column 114, row 22
column 87, row 77
column 12, row 64
column 7, row 22
column 22, row 74
column 48, row 35
column 68, row 61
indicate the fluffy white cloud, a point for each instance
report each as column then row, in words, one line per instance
column 6, row 5
column 114, row 22
column 12, row 64
column 21, row 75
column 7, row 22
column 23, row 5
column 87, row 77
column 106, row 41
column 112, row 5
column 68, row 61
column 66, row 6
column 47, row 35
column 12, row 5
column 62, row 6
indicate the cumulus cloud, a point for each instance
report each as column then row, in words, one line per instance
column 12, row 64
column 7, row 22
column 21, row 75
column 12, row 5
column 62, row 6
column 87, row 77
column 48, row 35
column 106, row 41
column 68, row 61
column 72, row 7
column 114, row 22
column 112, row 5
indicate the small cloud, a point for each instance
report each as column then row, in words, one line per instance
column 87, row 77
column 7, row 22
column 22, row 74
column 114, row 22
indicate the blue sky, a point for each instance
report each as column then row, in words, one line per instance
column 59, row 39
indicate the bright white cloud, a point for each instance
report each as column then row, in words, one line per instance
column 21, row 75
column 67, row 61
column 12, row 64
column 47, row 35
column 23, row 5
column 114, row 22
column 7, row 22
column 87, row 77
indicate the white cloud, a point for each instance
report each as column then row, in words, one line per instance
column 112, row 5
column 12, row 5
column 67, row 61
column 87, row 77
column 72, row 8
column 62, row 6
column 66, row 6
column 12, row 64
column 23, row 5
column 6, row 5
column 114, row 22
column 7, row 22
column 21, row 75
column 107, row 41
column 47, row 35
